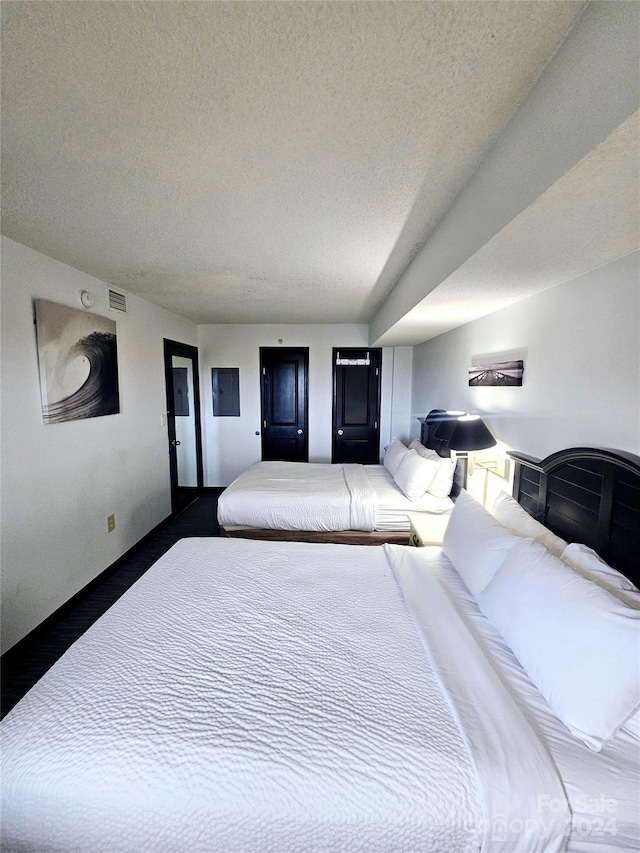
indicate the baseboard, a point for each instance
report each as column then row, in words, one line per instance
column 70, row 603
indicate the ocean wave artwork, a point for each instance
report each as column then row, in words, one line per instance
column 78, row 362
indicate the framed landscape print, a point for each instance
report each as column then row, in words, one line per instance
column 78, row 360
column 501, row 373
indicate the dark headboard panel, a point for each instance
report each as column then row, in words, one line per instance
column 438, row 422
column 429, row 426
column 588, row 495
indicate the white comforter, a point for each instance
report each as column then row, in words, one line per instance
column 274, row 697
column 277, row 495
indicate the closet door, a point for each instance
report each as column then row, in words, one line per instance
column 284, row 376
column 356, row 405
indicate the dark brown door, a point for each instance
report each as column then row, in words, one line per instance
column 285, row 376
column 356, row 406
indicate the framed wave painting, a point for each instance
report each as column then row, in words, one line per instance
column 78, row 359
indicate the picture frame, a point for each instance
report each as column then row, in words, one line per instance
column 78, row 362
column 501, row 373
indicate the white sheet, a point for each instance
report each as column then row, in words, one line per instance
column 513, row 765
column 603, row 789
column 301, row 496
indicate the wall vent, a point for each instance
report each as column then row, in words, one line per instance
column 117, row 301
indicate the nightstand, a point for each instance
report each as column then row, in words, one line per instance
column 427, row 528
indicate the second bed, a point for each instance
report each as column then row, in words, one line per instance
column 348, row 503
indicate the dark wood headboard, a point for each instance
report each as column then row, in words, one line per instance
column 434, row 435
column 589, row 495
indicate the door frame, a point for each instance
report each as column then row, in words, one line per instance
column 172, row 348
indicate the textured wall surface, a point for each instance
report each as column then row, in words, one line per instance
column 231, row 444
column 579, row 343
column 61, row 481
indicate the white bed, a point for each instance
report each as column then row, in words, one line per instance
column 323, row 498
column 259, row 696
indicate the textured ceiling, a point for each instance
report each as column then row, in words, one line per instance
column 260, row 162
column 550, row 242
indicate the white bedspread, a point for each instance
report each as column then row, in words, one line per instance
column 266, row 697
column 277, row 495
column 322, row 497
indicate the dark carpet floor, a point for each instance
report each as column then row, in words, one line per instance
column 29, row 659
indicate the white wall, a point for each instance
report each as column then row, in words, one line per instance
column 401, row 399
column 581, row 346
column 230, row 444
column 580, row 343
column 60, row 481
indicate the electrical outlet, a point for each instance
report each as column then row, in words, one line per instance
column 111, row 523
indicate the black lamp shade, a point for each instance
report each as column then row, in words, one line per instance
column 470, row 433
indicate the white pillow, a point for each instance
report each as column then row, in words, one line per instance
column 414, row 474
column 443, row 481
column 585, row 561
column 441, row 485
column 475, row 542
column 509, row 512
column 578, row 643
column 418, row 446
column 394, row 455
